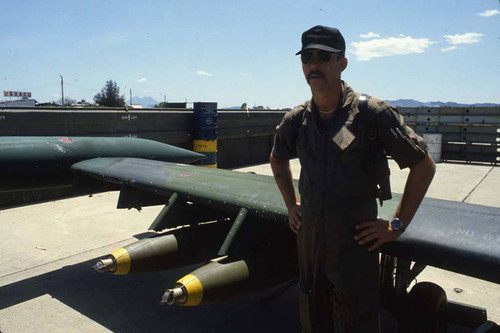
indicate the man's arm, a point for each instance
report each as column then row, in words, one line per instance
column 417, row 183
column 284, row 179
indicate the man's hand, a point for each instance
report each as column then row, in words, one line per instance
column 378, row 231
column 418, row 181
column 294, row 218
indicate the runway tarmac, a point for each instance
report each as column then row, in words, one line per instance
column 47, row 282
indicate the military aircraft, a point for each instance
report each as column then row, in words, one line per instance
column 236, row 224
column 33, row 164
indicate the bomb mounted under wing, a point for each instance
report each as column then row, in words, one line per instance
column 255, row 250
column 42, row 163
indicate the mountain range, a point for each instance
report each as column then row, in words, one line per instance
column 149, row 102
column 146, row 102
column 437, row 104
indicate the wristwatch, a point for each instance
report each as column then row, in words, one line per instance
column 397, row 225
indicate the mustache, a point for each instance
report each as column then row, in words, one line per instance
column 317, row 73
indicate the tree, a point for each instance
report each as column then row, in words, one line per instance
column 110, row 95
column 68, row 101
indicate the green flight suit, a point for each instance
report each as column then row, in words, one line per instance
column 338, row 277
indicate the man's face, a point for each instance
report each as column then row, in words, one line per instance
column 322, row 69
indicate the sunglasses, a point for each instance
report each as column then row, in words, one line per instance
column 323, row 56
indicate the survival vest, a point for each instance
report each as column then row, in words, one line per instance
column 380, row 168
column 376, row 165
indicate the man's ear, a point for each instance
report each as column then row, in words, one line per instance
column 343, row 63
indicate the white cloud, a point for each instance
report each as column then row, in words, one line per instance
column 448, row 49
column 369, row 35
column 142, row 79
column 385, row 47
column 467, row 38
column 203, row 73
column 490, row 12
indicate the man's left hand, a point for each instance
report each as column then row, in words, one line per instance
column 378, row 231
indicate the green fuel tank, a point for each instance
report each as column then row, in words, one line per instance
column 43, row 163
column 41, row 153
column 185, row 246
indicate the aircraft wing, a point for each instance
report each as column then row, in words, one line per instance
column 459, row 237
column 456, row 236
column 217, row 188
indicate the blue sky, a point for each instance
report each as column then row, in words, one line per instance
column 236, row 51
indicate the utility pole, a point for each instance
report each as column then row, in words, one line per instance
column 62, row 91
column 130, row 96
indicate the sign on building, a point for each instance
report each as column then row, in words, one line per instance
column 22, row 94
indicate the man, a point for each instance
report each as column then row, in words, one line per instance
column 338, row 231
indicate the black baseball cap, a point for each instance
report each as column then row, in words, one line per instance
column 323, row 38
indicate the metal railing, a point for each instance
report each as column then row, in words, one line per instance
column 469, row 134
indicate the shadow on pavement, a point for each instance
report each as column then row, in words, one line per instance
column 131, row 303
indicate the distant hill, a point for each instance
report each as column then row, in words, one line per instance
column 146, row 102
column 411, row 103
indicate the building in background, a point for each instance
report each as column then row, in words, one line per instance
column 19, row 103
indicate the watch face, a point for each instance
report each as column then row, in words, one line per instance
column 396, row 224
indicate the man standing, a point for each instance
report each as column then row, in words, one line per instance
column 338, row 231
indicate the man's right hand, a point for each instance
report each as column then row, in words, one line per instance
column 294, row 218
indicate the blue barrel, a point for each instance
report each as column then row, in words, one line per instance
column 205, row 132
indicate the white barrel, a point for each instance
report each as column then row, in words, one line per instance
column 434, row 142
